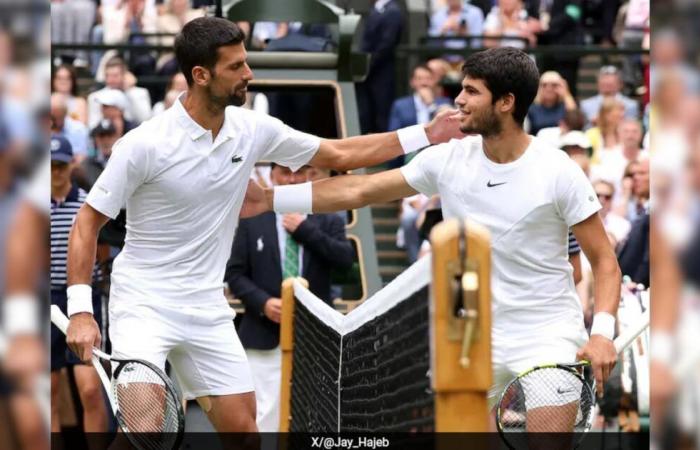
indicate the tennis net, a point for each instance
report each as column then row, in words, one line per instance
column 368, row 370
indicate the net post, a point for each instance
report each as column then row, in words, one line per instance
column 286, row 347
column 461, row 403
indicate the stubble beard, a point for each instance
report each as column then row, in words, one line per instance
column 486, row 125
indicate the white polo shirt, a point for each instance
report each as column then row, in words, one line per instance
column 183, row 194
column 528, row 206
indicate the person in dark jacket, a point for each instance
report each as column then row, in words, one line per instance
column 382, row 32
column 266, row 250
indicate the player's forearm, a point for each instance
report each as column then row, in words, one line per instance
column 363, row 151
column 608, row 278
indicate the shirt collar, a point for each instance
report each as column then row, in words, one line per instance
column 192, row 128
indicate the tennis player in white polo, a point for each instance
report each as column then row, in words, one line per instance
column 528, row 194
column 182, row 177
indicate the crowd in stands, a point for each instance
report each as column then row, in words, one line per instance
column 606, row 133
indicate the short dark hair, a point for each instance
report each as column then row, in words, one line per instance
column 198, row 43
column 422, row 66
column 574, row 120
column 116, row 61
column 506, row 70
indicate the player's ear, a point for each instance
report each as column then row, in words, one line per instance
column 506, row 103
column 201, row 75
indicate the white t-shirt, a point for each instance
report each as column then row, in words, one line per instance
column 528, row 206
column 183, row 195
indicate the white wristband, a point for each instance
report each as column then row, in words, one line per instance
column 661, row 347
column 79, row 299
column 293, row 198
column 20, row 315
column 604, row 325
column 413, row 138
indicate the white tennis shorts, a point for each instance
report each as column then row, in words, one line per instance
column 200, row 343
column 556, row 343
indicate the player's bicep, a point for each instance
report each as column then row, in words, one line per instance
column 592, row 238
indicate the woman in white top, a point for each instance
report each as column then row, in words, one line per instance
column 63, row 81
column 510, row 18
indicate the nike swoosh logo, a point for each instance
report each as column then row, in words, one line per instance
column 564, row 391
column 489, row 184
column 235, row 159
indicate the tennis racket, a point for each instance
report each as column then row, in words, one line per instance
column 556, row 399
column 142, row 397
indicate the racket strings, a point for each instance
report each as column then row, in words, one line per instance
column 547, row 400
column 146, row 406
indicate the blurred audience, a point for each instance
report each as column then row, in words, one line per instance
column 609, row 86
column 76, row 132
column 71, row 21
column 509, row 18
column 176, row 86
column 64, row 81
column 457, row 18
column 137, row 107
column 175, row 15
column 560, row 24
column 382, row 32
column 605, row 136
column 573, row 120
column 551, row 104
column 618, row 227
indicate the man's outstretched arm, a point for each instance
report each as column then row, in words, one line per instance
column 338, row 193
column 366, row 151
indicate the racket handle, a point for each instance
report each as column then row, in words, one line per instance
column 59, row 319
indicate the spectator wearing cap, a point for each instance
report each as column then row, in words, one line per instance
column 457, row 18
column 137, row 104
column 76, row 132
column 609, row 86
column 104, row 135
column 66, row 200
column 551, row 103
column 578, row 147
column 113, row 105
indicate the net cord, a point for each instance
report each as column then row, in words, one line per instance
column 400, row 289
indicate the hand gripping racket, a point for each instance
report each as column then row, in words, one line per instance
column 142, row 397
column 556, row 399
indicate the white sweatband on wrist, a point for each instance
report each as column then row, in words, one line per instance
column 79, row 299
column 413, row 138
column 21, row 315
column 293, row 198
column 661, row 347
column 604, row 325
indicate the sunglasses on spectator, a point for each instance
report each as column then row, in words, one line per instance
column 603, row 196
